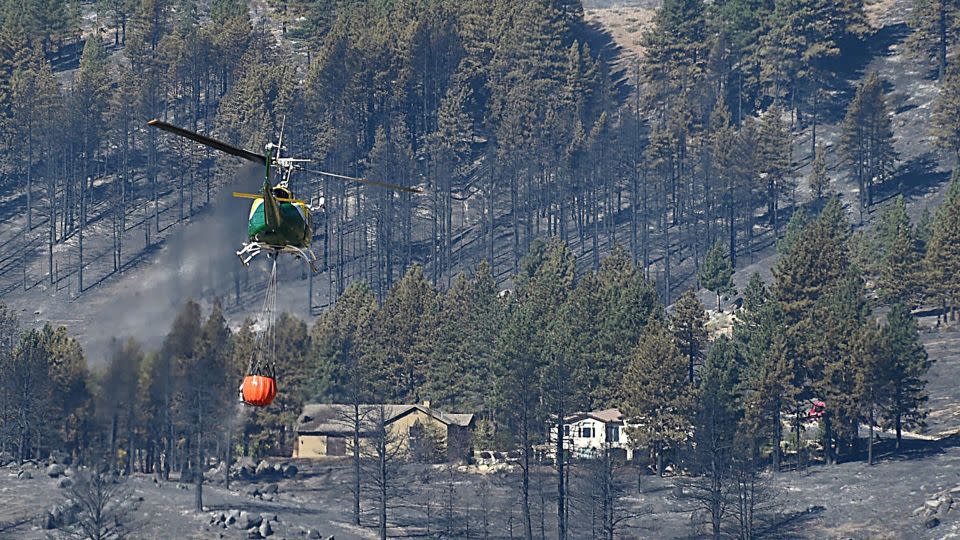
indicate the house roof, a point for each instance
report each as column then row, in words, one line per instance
column 607, row 416
column 337, row 418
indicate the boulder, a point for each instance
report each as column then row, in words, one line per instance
column 248, row 520
column 24, row 474
column 265, row 529
column 270, row 517
column 290, row 471
column 49, row 522
column 313, row 534
column 69, row 472
column 931, row 523
column 215, row 473
column 253, row 533
column 267, row 497
column 55, row 470
column 64, row 482
column 271, row 488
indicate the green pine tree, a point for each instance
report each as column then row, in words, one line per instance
column 872, row 379
column 689, row 325
column 399, row 342
column 657, row 397
column 942, row 260
column 935, row 24
column 900, row 271
column 716, row 273
column 907, row 366
column 866, row 142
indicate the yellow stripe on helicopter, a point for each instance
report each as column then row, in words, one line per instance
column 279, row 199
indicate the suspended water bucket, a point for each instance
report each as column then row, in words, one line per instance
column 259, row 390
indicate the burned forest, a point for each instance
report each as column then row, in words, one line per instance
column 507, row 269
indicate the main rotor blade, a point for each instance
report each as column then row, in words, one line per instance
column 387, row 185
column 254, row 196
column 212, row 143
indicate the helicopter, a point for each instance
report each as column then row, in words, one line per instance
column 278, row 222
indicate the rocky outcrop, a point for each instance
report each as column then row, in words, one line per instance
column 255, row 525
column 936, row 508
column 55, row 470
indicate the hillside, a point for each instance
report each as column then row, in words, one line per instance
column 720, row 238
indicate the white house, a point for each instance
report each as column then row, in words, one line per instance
column 586, row 434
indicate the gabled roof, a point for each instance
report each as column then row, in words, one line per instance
column 338, row 418
column 607, row 416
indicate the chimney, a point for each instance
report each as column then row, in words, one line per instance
column 426, row 403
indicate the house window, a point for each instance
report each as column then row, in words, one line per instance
column 586, row 432
column 613, row 433
column 566, row 431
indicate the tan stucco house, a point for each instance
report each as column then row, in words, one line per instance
column 325, row 430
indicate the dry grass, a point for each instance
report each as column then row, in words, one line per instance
column 625, row 24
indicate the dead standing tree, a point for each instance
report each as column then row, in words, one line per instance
column 382, row 454
column 105, row 508
column 602, row 485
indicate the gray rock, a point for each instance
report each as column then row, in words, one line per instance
column 313, row 535
column 271, row 488
column 248, row 520
column 64, row 482
column 265, row 529
column 262, row 467
column 69, row 472
column 55, row 470
column 24, row 474
column 930, row 523
column 270, row 517
column 290, row 471
column 253, row 533
column 267, row 497
column 49, row 522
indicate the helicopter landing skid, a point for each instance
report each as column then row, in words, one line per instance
column 252, row 249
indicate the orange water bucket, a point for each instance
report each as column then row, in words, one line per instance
column 259, row 390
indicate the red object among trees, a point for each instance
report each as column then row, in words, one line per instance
column 817, row 410
column 259, row 390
